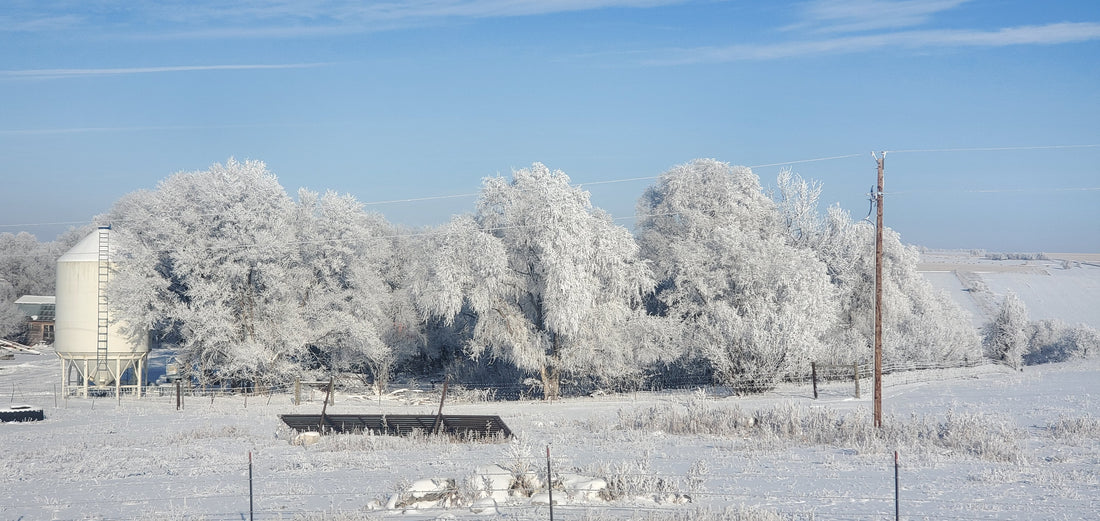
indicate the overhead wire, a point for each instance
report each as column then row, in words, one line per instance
column 647, row 178
column 469, row 194
column 991, row 149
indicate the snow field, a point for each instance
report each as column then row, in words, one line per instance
column 975, row 443
column 1050, row 289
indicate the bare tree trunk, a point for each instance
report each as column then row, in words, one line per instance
column 551, row 381
column 550, row 372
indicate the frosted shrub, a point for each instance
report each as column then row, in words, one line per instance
column 209, row 432
column 1055, row 341
column 697, row 475
column 982, row 436
column 1078, row 428
column 674, row 419
column 1006, row 336
column 459, row 394
column 633, row 479
column 337, row 516
column 738, row 513
column 520, row 464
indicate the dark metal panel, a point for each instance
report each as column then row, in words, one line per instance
column 400, row 424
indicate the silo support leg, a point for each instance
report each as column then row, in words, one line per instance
column 85, row 377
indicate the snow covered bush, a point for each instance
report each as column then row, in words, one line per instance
column 522, row 464
column 731, row 513
column 981, row 436
column 1005, row 337
column 1084, row 428
column 1055, row 341
column 631, row 479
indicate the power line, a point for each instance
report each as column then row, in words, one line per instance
column 649, row 178
column 419, row 199
column 997, row 191
column 784, row 163
column 990, row 149
column 807, row 160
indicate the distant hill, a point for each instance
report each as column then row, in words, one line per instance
column 1062, row 286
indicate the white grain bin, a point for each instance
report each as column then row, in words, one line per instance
column 88, row 337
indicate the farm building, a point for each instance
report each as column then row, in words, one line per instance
column 40, row 317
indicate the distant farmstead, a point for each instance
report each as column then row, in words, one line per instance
column 40, row 311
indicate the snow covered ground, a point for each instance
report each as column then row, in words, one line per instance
column 975, row 444
column 1065, row 287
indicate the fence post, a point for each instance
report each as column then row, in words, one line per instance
column 549, row 484
column 298, row 390
column 179, row 397
column 813, row 376
column 250, row 514
column 897, row 499
column 855, row 370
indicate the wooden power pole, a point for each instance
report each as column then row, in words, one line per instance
column 878, row 290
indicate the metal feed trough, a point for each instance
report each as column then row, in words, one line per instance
column 21, row 413
column 459, row 426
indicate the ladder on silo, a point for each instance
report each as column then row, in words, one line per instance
column 102, row 315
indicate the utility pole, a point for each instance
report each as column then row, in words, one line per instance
column 878, row 289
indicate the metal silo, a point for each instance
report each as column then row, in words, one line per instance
column 88, row 338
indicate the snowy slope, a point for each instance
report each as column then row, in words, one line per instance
column 1048, row 288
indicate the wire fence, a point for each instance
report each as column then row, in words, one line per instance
column 285, row 496
column 34, row 385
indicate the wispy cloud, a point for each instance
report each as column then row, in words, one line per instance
column 281, row 18
column 851, row 16
column 1050, row 34
column 77, row 73
column 147, row 128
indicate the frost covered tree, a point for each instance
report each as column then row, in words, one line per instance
column 752, row 305
column 351, row 302
column 27, row 267
column 920, row 324
column 13, row 323
column 550, row 279
column 796, row 199
column 1006, row 335
column 211, row 256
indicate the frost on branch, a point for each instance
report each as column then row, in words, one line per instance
column 551, row 280
column 753, row 306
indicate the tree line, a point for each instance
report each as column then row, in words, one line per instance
column 721, row 282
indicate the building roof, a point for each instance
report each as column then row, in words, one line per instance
column 36, row 299
column 38, row 307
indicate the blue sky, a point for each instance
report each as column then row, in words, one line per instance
column 406, row 100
